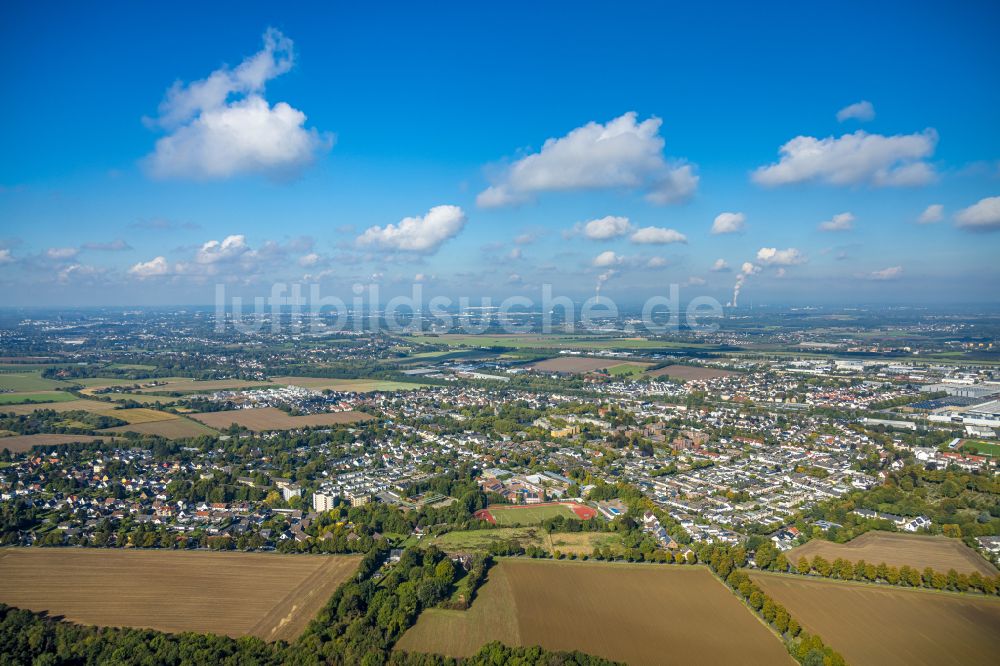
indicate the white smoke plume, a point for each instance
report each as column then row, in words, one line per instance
column 601, row 279
column 746, row 271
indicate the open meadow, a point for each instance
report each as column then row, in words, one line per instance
column 533, row 514
column 34, row 397
column 262, row 594
column 636, row 613
column 895, row 549
column 880, row 625
column 463, row 541
column 96, row 406
column 272, row 418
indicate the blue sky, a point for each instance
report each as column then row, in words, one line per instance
column 342, row 144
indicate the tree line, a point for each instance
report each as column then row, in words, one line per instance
column 769, row 559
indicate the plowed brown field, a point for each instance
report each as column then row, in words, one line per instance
column 267, row 595
column 639, row 614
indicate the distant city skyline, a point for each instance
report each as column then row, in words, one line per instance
column 787, row 155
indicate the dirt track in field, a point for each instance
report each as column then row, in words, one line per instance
column 267, row 595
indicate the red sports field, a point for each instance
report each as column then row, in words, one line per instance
column 530, row 514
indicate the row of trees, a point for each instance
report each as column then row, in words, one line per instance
column 907, row 576
column 806, row 648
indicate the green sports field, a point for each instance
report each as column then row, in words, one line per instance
column 530, row 515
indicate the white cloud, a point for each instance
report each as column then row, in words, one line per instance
column 231, row 247
column 5, row 256
column 515, row 254
column 770, row 256
column 728, row 223
column 931, row 214
column 839, row 222
column 853, row 159
column 657, row 236
column 983, row 215
column 609, row 226
column 310, row 259
column 606, row 258
column 215, row 137
column 151, row 268
column 417, row 234
column 525, row 239
column 890, row 273
column 78, row 272
column 694, row 281
column 862, row 111
column 61, row 253
column 749, row 269
column 720, row 266
column 656, row 262
column 620, row 154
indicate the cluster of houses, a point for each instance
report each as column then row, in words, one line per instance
column 651, row 524
column 905, row 523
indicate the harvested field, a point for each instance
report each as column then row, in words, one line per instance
column 85, row 405
column 532, row 514
column 175, row 428
column 639, row 614
column 875, row 625
column 22, row 443
column 919, row 551
column 689, row 372
column 271, row 418
column 581, row 364
column 267, row 595
column 347, row 385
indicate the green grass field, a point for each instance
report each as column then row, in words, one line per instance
column 37, row 396
column 480, row 540
column 28, row 381
column 981, row 447
column 626, row 369
column 530, row 515
column 108, row 381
